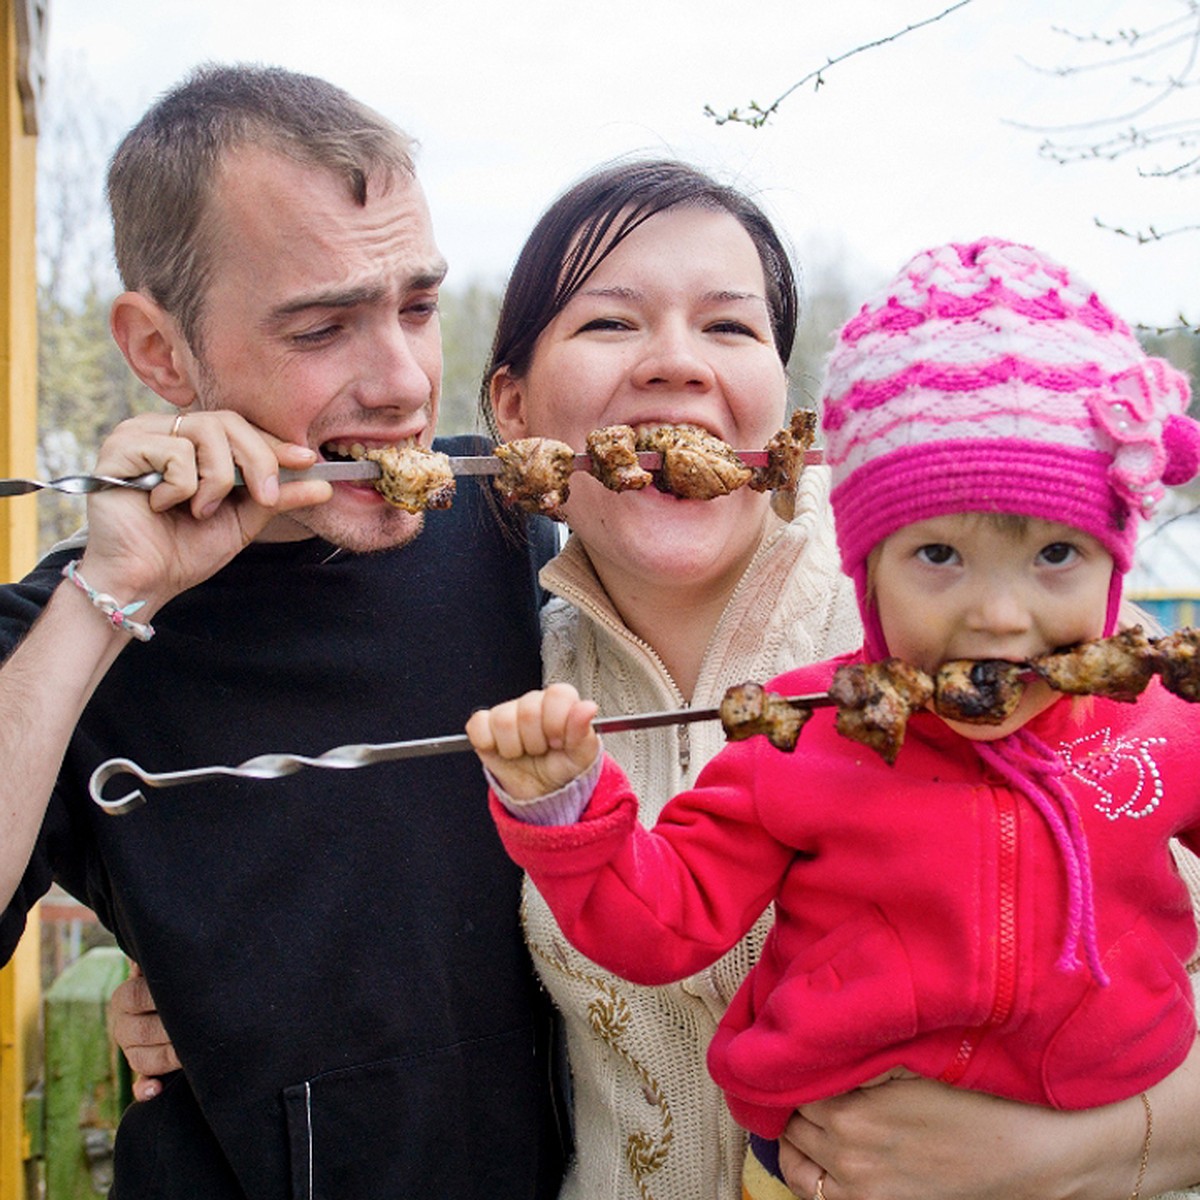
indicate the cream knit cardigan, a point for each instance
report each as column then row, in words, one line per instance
column 649, row 1123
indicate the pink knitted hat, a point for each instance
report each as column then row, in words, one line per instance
column 988, row 378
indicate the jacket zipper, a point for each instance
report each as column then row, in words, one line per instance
column 1005, row 989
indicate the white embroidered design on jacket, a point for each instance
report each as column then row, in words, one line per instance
column 1122, row 770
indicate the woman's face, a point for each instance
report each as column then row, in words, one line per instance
column 673, row 327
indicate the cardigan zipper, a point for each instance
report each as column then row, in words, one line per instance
column 1005, row 966
column 585, row 603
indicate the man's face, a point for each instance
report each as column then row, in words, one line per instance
column 320, row 325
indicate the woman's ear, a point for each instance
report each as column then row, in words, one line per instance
column 508, row 404
column 157, row 353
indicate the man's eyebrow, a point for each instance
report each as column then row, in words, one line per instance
column 350, row 297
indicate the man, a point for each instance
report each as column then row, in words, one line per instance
column 336, row 955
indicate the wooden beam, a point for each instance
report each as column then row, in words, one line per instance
column 21, row 65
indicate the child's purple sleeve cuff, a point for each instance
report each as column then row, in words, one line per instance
column 563, row 807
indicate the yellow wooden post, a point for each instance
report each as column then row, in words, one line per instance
column 22, row 59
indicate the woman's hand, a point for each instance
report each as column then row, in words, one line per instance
column 906, row 1138
column 136, row 1027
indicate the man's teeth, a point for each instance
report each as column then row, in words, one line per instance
column 345, row 451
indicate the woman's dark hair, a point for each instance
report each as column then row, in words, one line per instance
column 588, row 221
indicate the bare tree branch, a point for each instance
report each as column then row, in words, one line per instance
column 1162, row 43
column 756, row 116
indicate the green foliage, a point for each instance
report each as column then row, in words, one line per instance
column 84, row 389
column 468, row 322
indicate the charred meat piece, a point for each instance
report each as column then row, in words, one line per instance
column 1177, row 660
column 984, row 691
column 535, row 474
column 614, row 459
column 413, row 478
column 1118, row 667
column 785, row 461
column 695, row 464
column 875, row 701
column 748, row 709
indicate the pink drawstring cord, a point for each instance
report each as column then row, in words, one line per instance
column 1035, row 770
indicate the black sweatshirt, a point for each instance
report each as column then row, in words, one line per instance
column 336, row 955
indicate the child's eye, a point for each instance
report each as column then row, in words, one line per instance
column 937, row 554
column 1058, row 554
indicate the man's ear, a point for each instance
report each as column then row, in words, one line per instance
column 508, row 403
column 153, row 346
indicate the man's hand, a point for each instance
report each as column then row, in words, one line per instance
column 134, row 1024
column 535, row 745
column 154, row 547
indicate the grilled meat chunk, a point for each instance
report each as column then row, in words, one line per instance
column 978, row 691
column 747, row 709
column 696, row 465
column 614, row 458
column 785, row 461
column 413, row 478
column 875, row 701
column 1177, row 660
column 535, row 475
column 1118, row 667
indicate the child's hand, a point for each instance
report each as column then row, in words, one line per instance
column 535, row 745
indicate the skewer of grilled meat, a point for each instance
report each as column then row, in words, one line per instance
column 875, row 700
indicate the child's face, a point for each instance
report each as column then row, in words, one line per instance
column 976, row 586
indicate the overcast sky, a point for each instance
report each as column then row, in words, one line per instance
column 909, row 144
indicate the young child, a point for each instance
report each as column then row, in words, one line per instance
column 999, row 909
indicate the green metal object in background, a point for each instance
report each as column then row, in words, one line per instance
column 87, row 1084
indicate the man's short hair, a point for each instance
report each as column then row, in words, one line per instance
column 163, row 173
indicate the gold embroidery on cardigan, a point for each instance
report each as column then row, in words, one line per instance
column 609, row 1016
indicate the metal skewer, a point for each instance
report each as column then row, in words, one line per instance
column 485, row 464
column 364, row 754
column 80, row 485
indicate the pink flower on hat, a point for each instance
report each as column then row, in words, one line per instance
column 1132, row 412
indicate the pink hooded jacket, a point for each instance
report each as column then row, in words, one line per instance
column 920, row 908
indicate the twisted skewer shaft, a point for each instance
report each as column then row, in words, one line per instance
column 363, row 754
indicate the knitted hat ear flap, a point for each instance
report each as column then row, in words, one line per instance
column 1112, row 616
column 875, row 646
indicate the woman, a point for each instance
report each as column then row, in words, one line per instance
column 675, row 303
column 649, row 293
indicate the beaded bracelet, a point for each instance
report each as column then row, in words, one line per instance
column 118, row 615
